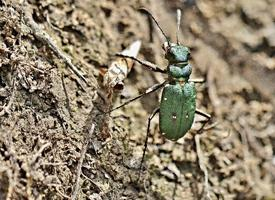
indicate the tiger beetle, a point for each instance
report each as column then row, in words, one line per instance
column 178, row 101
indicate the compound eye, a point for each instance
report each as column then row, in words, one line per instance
column 189, row 56
column 169, row 52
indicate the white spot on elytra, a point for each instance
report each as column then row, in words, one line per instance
column 165, row 99
column 186, row 116
column 163, row 133
column 174, row 116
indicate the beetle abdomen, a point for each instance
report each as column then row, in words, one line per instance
column 177, row 110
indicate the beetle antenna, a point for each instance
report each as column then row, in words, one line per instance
column 178, row 24
column 148, row 13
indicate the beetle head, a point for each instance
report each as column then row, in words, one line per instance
column 176, row 53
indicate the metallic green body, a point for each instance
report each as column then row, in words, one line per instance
column 177, row 53
column 181, row 71
column 178, row 101
column 177, row 109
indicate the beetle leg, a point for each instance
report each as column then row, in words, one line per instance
column 145, row 63
column 148, row 91
column 207, row 116
column 147, row 136
column 197, row 80
column 176, row 181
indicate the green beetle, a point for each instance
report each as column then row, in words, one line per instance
column 178, row 102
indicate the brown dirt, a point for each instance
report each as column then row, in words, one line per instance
column 45, row 122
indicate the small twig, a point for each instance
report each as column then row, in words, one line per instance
column 67, row 96
column 38, row 153
column 213, row 125
column 51, row 25
column 29, row 180
column 212, row 90
column 246, row 153
column 13, row 170
column 176, row 183
column 80, row 162
column 48, row 41
column 54, row 164
column 91, row 181
column 29, row 169
column 59, row 192
column 11, row 182
column 202, row 165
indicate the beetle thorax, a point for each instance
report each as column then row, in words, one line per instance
column 179, row 72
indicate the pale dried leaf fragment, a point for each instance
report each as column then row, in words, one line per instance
column 120, row 68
